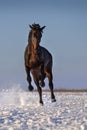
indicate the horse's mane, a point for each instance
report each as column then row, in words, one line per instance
column 35, row 26
column 29, row 37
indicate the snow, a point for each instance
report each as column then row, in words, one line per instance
column 20, row 110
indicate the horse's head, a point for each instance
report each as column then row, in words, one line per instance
column 36, row 34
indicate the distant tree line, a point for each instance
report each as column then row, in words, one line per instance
column 65, row 90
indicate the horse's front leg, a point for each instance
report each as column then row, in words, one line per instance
column 30, row 87
column 39, row 90
column 40, row 94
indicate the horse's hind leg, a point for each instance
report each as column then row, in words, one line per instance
column 49, row 75
column 30, row 87
column 42, row 83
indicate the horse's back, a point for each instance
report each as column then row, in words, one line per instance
column 45, row 56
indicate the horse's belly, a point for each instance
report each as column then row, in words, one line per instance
column 36, row 73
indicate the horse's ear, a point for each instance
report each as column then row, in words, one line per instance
column 42, row 28
column 30, row 26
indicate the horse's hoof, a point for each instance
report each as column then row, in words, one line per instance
column 41, row 102
column 53, row 100
column 30, row 88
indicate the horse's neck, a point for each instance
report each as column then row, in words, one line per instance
column 30, row 48
column 31, row 52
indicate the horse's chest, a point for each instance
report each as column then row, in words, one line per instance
column 34, row 61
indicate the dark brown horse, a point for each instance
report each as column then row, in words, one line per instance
column 38, row 61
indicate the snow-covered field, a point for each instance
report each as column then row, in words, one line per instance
column 20, row 110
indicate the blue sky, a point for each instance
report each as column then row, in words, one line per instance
column 65, row 36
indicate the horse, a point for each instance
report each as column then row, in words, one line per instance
column 38, row 62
